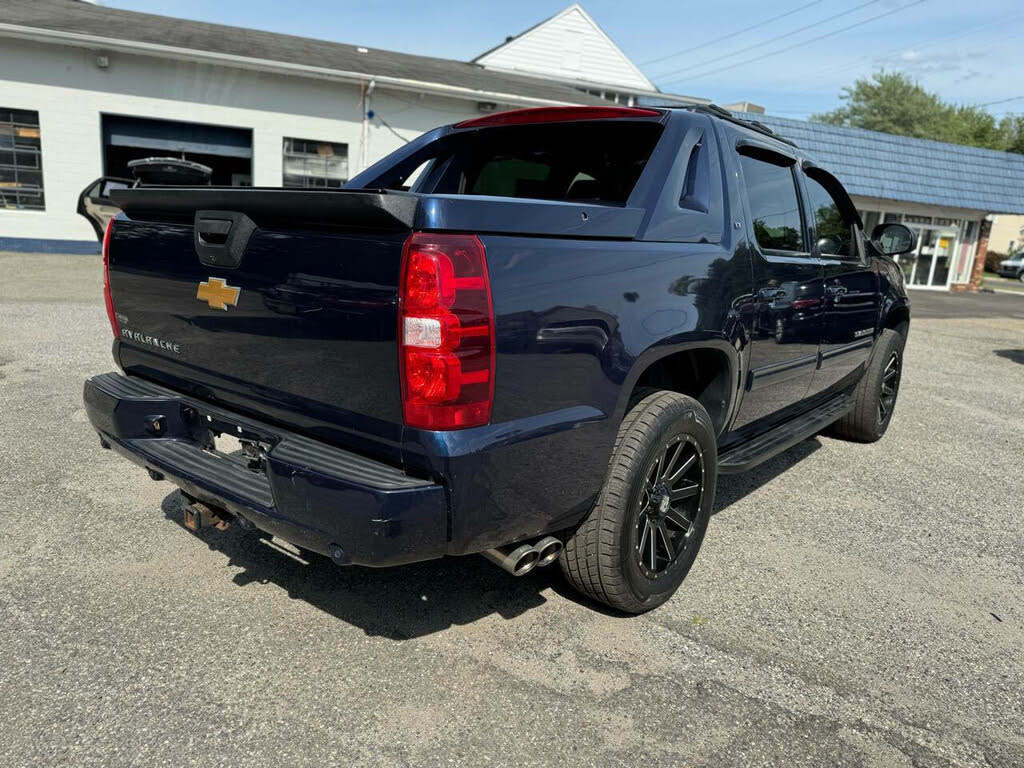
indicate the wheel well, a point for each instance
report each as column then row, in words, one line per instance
column 899, row 320
column 703, row 374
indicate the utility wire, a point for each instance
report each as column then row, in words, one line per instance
column 388, row 126
column 931, row 43
column 770, row 40
column 1001, row 101
column 806, row 42
column 730, row 35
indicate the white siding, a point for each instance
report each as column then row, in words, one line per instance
column 567, row 47
column 70, row 93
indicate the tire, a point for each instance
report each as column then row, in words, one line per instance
column 872, row 409
column 645, row 513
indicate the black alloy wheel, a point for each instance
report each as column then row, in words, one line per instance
column 667, row 505
column 874, row 397
column 640, row 540
column 890, row 386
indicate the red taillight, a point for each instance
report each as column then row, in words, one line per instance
column 446, row 332
column 555, row 115
column 106, row 281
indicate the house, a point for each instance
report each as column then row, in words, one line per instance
column 85, row 89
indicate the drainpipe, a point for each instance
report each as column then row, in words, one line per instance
column 367, row 91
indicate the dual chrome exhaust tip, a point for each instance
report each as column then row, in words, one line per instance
column 520, row 559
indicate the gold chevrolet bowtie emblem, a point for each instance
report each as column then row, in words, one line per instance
column 218, row 294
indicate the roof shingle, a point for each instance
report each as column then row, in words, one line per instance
column 873, row 164
column 84, row 18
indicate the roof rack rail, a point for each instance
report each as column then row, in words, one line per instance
column 724, row 114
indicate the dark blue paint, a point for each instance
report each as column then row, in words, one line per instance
column 584, row 305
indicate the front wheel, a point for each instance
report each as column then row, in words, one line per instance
column 875, row 396
column 638, row 543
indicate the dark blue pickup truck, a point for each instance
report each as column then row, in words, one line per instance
column 532, row 330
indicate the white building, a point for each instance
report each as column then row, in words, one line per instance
column 84, row 89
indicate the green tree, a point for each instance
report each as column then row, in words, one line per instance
column 1011, row 128
column 892, row 102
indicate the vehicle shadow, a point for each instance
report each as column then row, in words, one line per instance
column 732, row 488
column 397, row 603
column 423, row 598
column 1016, row 355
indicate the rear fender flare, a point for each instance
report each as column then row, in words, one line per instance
column 675, row 345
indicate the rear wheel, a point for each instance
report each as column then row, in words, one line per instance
column 638, row 543
column 875, row 396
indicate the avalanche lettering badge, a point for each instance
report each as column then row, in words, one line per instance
column 218, row 294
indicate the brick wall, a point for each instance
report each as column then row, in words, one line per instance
column 979, row 259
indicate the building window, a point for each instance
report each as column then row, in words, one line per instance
column 21, row 160
column 314, row 163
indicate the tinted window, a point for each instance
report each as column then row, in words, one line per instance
column 828, row 221
column 774, row 205
column 590, row 161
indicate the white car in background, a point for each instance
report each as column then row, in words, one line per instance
column 1013, row 267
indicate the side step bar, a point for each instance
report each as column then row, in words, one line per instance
column 750, row 454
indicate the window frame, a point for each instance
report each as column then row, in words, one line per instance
column 286, row 154
column 749, row 148
column 15, row 150
column 846, row 209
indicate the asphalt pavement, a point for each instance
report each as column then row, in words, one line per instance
column 853, row 604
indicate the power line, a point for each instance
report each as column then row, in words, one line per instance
column 768, row 41
column 388, row 126
column 730, row 35
column 932, row 42
column 1001, row 101
column 807, row 42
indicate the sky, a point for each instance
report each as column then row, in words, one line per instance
column 792, row 56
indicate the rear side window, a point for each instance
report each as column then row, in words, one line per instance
column 774, row 204
column 592, row 162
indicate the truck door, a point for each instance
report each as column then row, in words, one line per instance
column 788, row 286
column 851, row 301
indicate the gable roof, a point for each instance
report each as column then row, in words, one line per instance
column 568, row 46
column 900, row 168
column 81, row 23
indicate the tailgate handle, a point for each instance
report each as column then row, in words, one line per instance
column 220, row 237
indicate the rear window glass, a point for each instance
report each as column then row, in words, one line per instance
column 595, row 162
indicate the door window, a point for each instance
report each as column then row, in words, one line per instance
column 774, row 204
column 833, row 234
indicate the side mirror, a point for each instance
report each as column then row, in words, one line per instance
column 893, row 239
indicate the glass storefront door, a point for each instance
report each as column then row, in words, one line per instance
column 928, row 266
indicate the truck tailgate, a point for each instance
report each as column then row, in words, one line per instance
column 302, row 330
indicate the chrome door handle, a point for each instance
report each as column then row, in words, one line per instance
column 835, row 289
column 771, row 294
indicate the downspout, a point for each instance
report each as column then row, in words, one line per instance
column 367, row 90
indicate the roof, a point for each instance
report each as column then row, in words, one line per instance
column 84, row 19
column 567, row 46
column 904, row 169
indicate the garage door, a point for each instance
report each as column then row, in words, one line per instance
column 226, row 150
column 172, row 137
